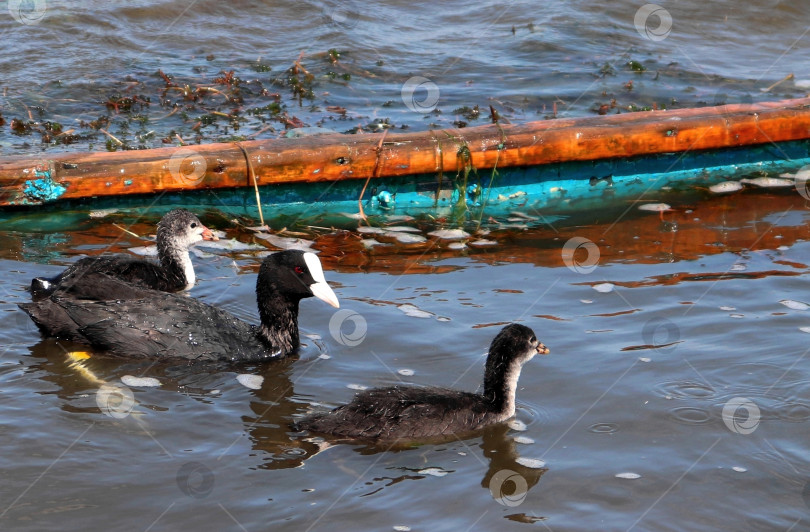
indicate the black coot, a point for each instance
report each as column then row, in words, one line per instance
column 176, row 232
column 146, row 323
column 410, row 413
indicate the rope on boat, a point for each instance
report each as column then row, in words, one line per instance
column 252, row 175
column 375, row 173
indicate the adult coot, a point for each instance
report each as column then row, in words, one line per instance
column 176, row 232
column 141, row 322
column 410, row 413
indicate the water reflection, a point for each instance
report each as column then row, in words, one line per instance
column 508, row 480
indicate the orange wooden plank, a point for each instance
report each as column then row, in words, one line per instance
column 37, row 178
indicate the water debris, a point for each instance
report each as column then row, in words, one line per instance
column 739, row 469
column 369, row 243
column 358, row 387
column 450, row 234
column 131, row 380
column 402, row 229
column 644, row 359
column 513, row 226
column 203, row 254
column 102, row 213
column 283, row 242
column 254, row 382
column 803, row 174
column 795, row 305
column 725, row 187
column 586, row 301
column 433, row 471
column 516, row 424
column 524, row 216
column 483, row 242
column 402, row 528
column 144, row 251
column 628, row 475
column 603, row 288
column 405, row 372
column 738, row 268
column 399, row 218
column 406, row 238
column 768, row 182
column 727, row 308
column 370, row 230
column 229, row 245
column 654, row 207
column 525, row 440
column 805, row 329
column 533, row 463
column 736, row 316
column 414, row 311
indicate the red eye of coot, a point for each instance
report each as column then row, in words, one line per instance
column 299, row 270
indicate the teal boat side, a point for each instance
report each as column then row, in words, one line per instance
column 547, row 190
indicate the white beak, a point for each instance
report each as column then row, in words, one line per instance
column 319, row 288
column 325, row 293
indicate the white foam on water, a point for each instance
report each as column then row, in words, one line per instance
column 254, row 382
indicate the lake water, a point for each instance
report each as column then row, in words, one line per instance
column 82, row 67
column 675, row 396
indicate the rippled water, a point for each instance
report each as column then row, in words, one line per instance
column 621, row 427
column 399, row 64
column 681, row 383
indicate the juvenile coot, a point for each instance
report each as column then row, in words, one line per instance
column 410, row 413
column 176, row 232
column 142, row 322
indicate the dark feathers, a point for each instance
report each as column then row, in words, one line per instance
column 139, row 322
column 177, row 231
column 409, row 413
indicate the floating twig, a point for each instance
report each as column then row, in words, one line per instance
column 786, row 78
column 169, row 114
column 112, row 137
column 127, row 231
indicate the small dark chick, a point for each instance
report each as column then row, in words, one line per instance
column 410, row 413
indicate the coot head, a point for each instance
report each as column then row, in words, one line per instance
column 285, row 278
column 180, row 229
column 293, row 275
column 515, row 345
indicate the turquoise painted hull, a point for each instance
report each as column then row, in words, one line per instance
column 549, row 191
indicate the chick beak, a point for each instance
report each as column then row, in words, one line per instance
column 207, row 234
column 542, row 349
column 325, row 293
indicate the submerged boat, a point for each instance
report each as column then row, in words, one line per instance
column 546, row 167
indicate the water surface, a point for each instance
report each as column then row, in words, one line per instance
column 706, row 311
column 700, row 311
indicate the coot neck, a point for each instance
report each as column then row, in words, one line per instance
column 279, row 323
column 175, row 262
column 500, row 386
